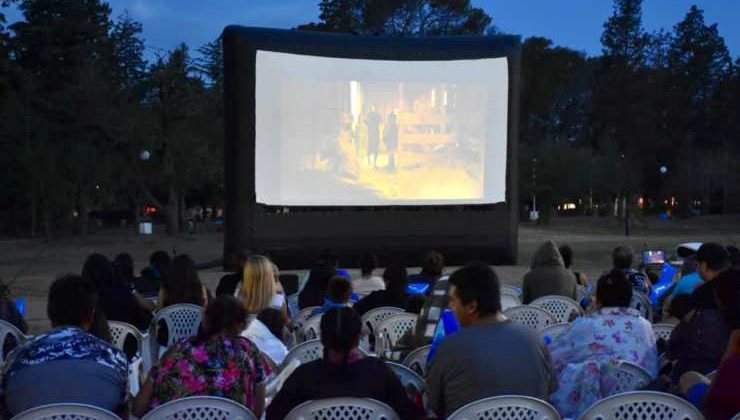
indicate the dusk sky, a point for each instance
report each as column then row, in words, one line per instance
column 573, row 23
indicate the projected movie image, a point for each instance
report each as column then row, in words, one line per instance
column 378, row 138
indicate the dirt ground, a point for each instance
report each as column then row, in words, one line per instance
column 30, row 265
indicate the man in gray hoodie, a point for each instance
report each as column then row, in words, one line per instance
column 548, row 275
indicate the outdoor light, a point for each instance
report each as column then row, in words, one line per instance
column 663, row 170
column 144, row 155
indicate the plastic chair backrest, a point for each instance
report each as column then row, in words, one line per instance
column 509, row 300
column 737, row 417
column 345, row 408
column 182, row 321
column 532, row 316
column 200, row 408
column 311, row 329
column 511, row 290
column 554, row 331
column 300, row 318
column 407, row 376
column 390, row 331
column 8, row 329
column 563, row 308
column 506, row 407
column 630, row 377
column 66, row 412
column 374, row 317
column 663, row 331
column 642, row 405
column 306, row 352
column 642, row 304
column 417, row 360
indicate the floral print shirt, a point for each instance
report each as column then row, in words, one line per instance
column 222, row 366
column 586, row 355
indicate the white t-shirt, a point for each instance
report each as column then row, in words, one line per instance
column 265, row 341
column 364, row 286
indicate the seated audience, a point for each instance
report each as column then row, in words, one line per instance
column 182, row 284
column 548, row 276
column 123, row 265
column 567, row 253
column 699, row 340
column 586, row 355
column 266, row 332
column 259, row 289
column 490, row 355
column 622, row 257
column 720, row 399
column 229, row 283
column 218, row 362
column 367, row 282
column 67, row 364
column 150, row 281
column 396, row 279
column 314, row 290
column 431, row 269
column 337, row 296
column 689, row 280
column 115, row 298
column 342, row 372
column 330, row 257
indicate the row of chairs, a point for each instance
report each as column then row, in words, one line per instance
column 635, row 405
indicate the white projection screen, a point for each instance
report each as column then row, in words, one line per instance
column 357, row 132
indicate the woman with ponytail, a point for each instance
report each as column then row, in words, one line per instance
column 342, row 372
column 217, row 362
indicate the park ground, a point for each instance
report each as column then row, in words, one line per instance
column 30, row 265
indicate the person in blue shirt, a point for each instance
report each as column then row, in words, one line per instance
column 337, row 295
column 431, row 269
column 689, row 280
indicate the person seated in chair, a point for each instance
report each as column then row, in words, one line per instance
column 337, row 296
column 396, row 279
column 342, row 372
column 217, row 362
column 67, row 364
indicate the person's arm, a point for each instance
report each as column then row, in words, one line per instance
column 435, row 383
column 140, row 404
column 259, row 399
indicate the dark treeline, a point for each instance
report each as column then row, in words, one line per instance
column 79, row 104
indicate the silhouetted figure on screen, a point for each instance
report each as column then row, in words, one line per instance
column 390, row 138
column 373, row 121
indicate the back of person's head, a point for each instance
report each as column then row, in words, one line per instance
column 340, row 331
column 714, row 255
column 182, row 284
column 239, row 258
column 396, row 278
column 368, row 263
column 259, row 286
column 318, row 278
column 273, row 320
column 614, row 289
column 161, row 261
column 727, row 295
column 688, row 266
column 330, row 257
column 124, row 268
column 567, row 253
column 224, row 315
column 100, row 270
column 340, row 290
column 433, row 264
column 476, row 281
column 622, row 257
column 72, row 301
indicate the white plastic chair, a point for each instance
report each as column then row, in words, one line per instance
column 306, row 352
column 737, row 417
column 663, row 331
column 630, row 377
column 311, row 329
column 554, row 331
column 346, row 408
column 407, row 376
column 66, row 412
column 511, row 290
column 299, row 319
column 119, row 331
column 8, row 329
column 506, row 407
column 563, row 308
column 417, row 360
column 711, row 375
column 200, row 408
column 642, row 405
column 509, row 300
column 642, row 304
column 390, row 331
column 532, row 316
column 372, row 318
column 182, row 321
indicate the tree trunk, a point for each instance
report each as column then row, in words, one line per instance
column 171, row 213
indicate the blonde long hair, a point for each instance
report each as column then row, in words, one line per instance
column 258, row 285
